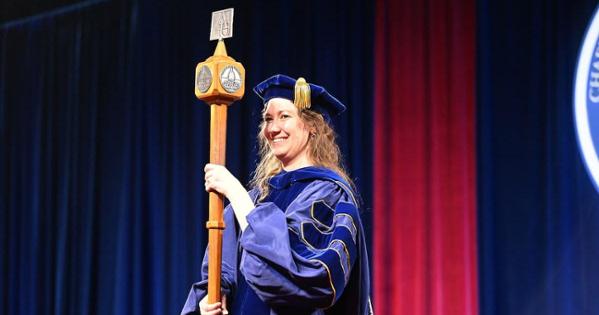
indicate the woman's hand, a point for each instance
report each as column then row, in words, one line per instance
column 217, row 308
column 218, row 179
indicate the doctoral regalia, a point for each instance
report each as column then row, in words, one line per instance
column 303, row 251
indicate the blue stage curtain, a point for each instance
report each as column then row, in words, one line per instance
column 102, row 142
column 538, row 209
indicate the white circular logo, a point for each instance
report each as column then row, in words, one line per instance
column 204, row 79
column 586, row 99
column 230, row 79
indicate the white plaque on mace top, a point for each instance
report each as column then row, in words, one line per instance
column 222, row 24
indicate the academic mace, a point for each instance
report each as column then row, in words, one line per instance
column 220, row 81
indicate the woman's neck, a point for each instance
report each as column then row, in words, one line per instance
column 297, row 164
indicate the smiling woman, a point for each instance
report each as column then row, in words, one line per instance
column 293, row 244
column 286, row 133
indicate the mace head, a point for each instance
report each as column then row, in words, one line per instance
column 219, row 79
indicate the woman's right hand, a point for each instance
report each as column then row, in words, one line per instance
column 217, row 308
column 219, row 179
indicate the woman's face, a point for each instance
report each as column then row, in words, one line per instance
column 286, row 133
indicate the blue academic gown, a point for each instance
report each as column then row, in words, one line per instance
column 303, row 251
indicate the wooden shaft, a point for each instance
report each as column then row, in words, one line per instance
column 215, row 224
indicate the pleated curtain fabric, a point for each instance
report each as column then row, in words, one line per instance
column 424, row 232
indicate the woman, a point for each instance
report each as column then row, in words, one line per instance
column 293, row 244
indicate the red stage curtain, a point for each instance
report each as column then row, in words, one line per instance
column 424, row 173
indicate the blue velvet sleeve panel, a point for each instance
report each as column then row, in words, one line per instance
column 303, row 255
column 229, row 262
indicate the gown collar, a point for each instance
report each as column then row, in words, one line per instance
column 284, row 178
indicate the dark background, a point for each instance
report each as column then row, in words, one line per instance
column 538, row 209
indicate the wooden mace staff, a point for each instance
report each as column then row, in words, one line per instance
column 219, row 93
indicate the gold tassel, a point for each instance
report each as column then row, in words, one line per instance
column 302, row 94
